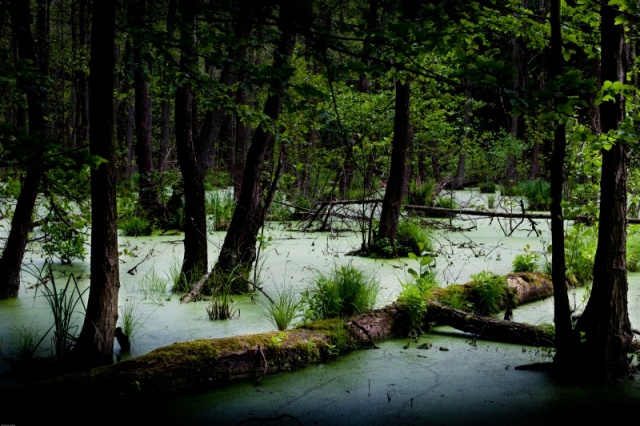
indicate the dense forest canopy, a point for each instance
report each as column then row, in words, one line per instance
column 295, row 103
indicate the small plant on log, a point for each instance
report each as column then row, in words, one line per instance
column 344, row 292
column 489, row 292
column 526, row 262
column 415, row 291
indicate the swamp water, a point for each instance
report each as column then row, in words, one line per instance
column 458, row 381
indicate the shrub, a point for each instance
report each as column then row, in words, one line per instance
column 537, row 192
column 344, row 292
column 411, row 238
column 135, row 226
column 488, row 188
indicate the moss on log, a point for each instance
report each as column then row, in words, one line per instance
column 208, row 363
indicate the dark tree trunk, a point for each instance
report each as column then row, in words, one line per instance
column 195, row 236
column 239, row 248
column 165, row 106
column 94, row 346
column 13, row 254
column 241, row 143
column 565, row 336
column 392, row 201
column 80, row 82
column 147, row 188
column 458, row 182
column 605, row 320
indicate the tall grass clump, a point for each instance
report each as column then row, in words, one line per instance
column 221, row 303
column 29, row 340
column 343, row 292
column 63, row 303
column 154, row 288
column 489, row 292
column 283, row 308
column 219, row 206
column 537, row 193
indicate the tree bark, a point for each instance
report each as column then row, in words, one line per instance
column 605, row 320
column 14, row 249
column 195, row 259
column 566, row 338
column 94, row 346
column 148, row 197
column 238, row 251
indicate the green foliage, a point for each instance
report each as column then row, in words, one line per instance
column 154, row 288
column 28, row 342
column 489, row 292
column 415, row 292
column 284, row 308
column 9, row 187
column 135, row 226
column 64, row 231
column 526, row 262
column 488, row 188
column 411, row 238
column 422, row 196
column 537, row 193
column 221, row 303
column 343, row 292
column 446, row 202
column 131, row 320
column 63, row 303
column 580, row 249
column 491, row 201
column 633, row 249
column 456, row 298
column 217, row 179
column 220, row 205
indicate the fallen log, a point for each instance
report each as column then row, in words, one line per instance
column 205, row 363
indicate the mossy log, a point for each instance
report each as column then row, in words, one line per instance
column 207, row 363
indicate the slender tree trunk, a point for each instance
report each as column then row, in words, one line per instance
column 14, row 249
column 605, row 320
column 565, row 337
column 392, row 201
column 458, row 182
column 195, row 236
column 94, row 346
column 238, row 251
column 147, row 188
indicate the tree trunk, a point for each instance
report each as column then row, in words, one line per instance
column 238, row 251
column 195, row 258
column 566, row 339
column 605, row 320
column 94, row 346
column 392, row 201
column 147, row 188
column 13, row 254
